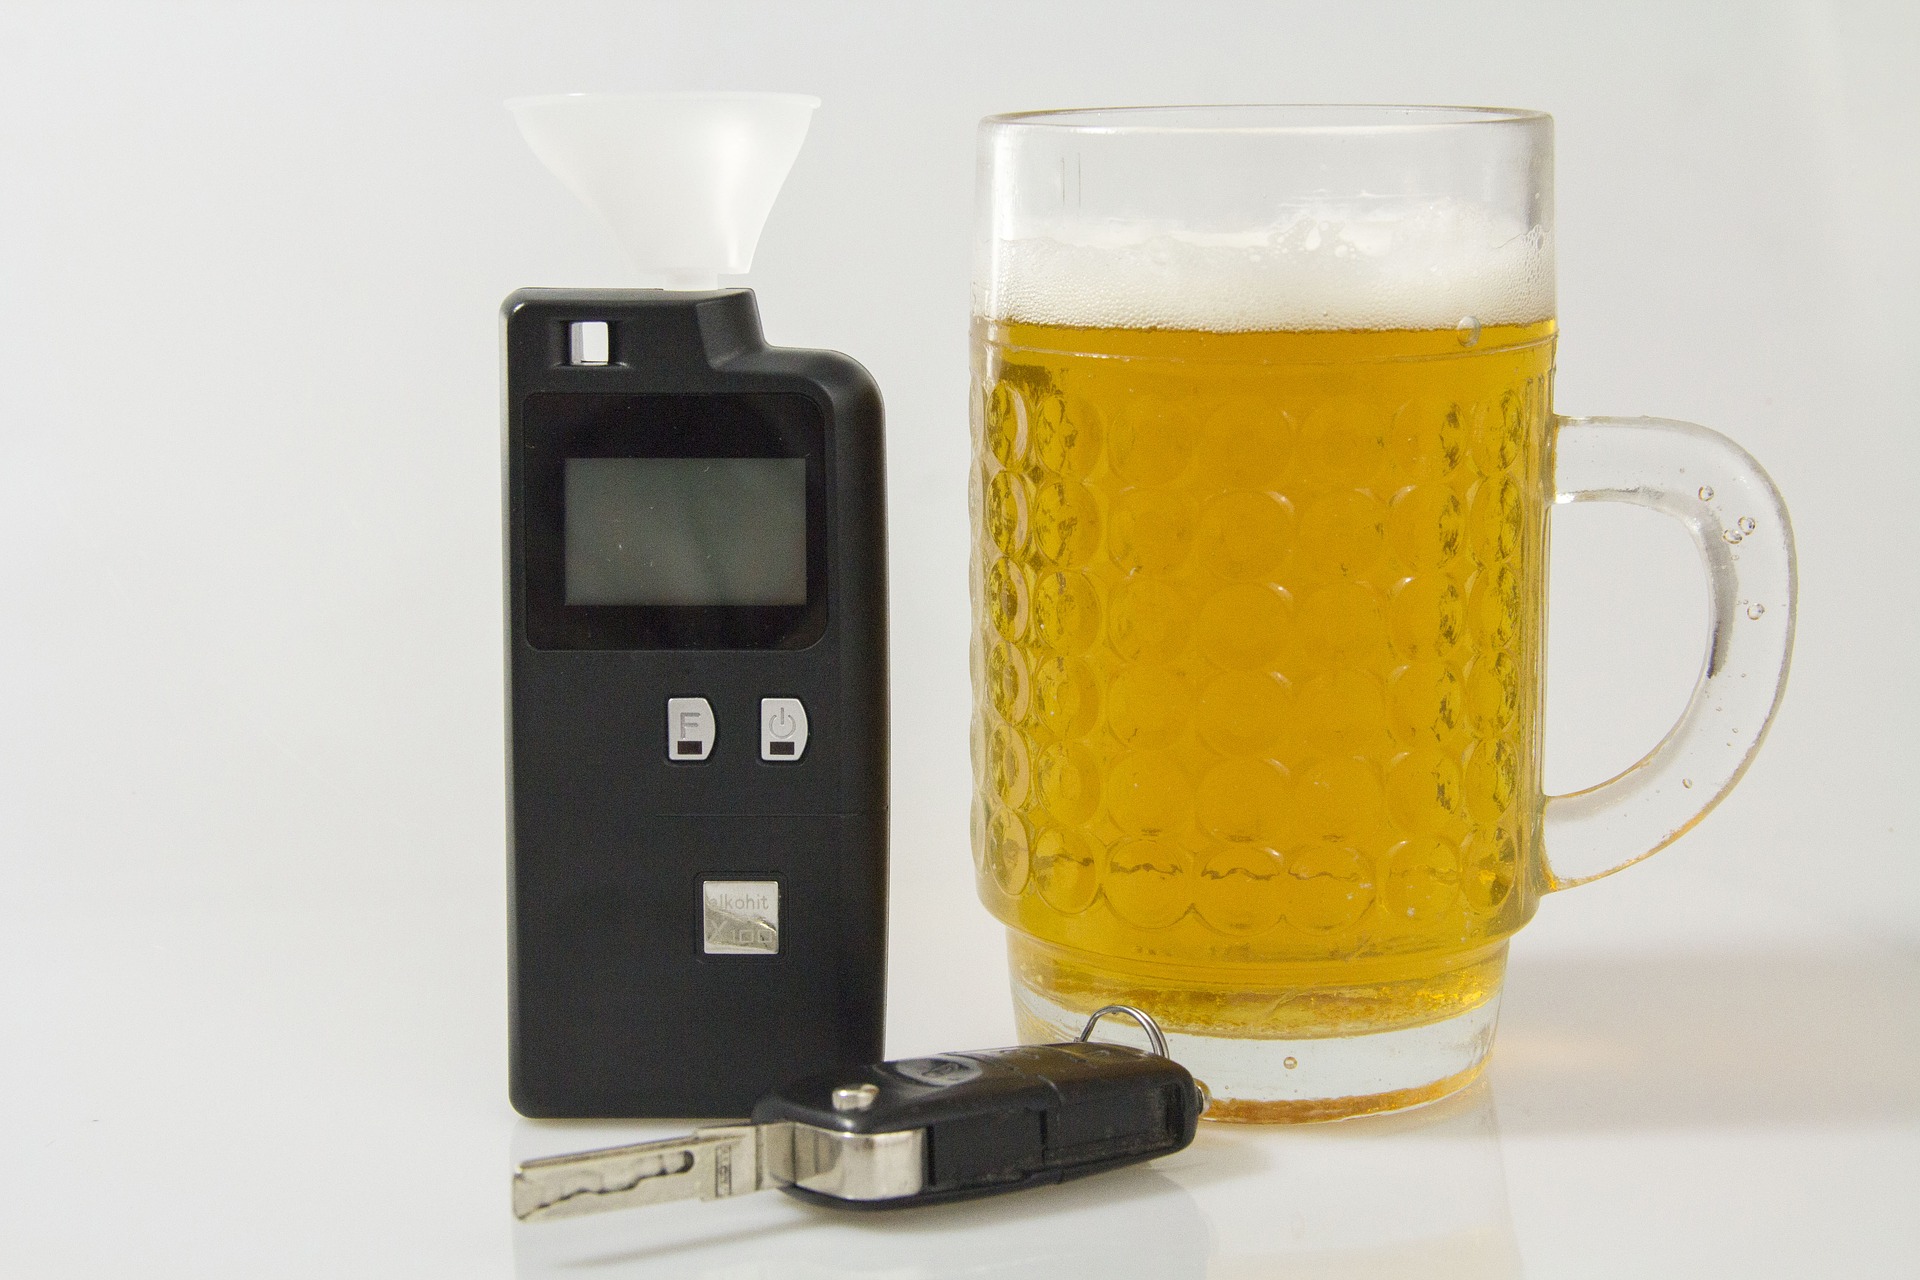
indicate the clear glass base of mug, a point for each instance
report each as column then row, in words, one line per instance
column 1324, row 1052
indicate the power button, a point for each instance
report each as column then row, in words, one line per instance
column 783, row 730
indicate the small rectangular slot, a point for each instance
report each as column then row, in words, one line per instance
column 687, row 747
column 587, row 342
column 779, row 748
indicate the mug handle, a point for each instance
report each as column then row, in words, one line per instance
column 1716, row 489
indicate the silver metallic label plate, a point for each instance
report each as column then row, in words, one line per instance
column 741, row 917
column 940, row 1072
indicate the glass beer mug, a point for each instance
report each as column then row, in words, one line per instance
column 1263, row 457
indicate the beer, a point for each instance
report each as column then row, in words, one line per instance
column 1263, row 456
column 1256, row 649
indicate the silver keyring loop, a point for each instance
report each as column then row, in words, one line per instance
column 1147, row 1024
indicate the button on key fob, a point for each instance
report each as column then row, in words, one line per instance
column 917, row 1131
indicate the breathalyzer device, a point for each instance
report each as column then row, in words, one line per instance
column 696, row 656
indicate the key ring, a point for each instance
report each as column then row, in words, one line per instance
column 1147, row 1024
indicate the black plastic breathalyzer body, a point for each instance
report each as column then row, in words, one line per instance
column 697, row 731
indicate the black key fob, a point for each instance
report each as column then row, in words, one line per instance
column 928, row 1130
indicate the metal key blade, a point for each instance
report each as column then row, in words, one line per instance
column 709, row 1163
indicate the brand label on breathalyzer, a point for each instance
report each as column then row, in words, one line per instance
column 742, row 917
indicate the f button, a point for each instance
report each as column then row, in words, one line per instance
column 689, row 728
column 783, row 730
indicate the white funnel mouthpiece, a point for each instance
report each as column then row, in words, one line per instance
column 683, row 180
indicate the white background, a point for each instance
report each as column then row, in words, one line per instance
column 252, row 950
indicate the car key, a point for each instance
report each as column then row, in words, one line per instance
column 913, row 1132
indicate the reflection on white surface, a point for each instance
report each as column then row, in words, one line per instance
column 1421, row 1194
column 1088, row 1228
column 1729, row 1039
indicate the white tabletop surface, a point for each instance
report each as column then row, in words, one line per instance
column 196, row 1091
column 252, row 872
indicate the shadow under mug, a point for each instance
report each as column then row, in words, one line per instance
column 1264, row 457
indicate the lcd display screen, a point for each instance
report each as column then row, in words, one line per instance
column 686, row 532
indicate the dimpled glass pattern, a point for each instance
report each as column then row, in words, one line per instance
column 1257, row 639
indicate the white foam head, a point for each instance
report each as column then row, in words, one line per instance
column 1398, row 264
column 683, row 180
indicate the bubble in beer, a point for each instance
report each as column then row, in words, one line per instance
column 1066, row 699
column 1148, row 883
column 1150, row 620
column 1244, row 800
column 1423, row 879
column 1006, row 423
column 1007, row 598
column 1241, row 890
column 1468, row 330
column 1148, row 794
column 1339, row 801
column 1332, row 887
column 1007, row 859
column 1245, row 626
column 1008, row 766
column 1243, row 712
column 1755, row 609
column 1492, row 878
column 1065, row 523
column 1069, row 782
column 1006, row 681
column 1290, row 1063
column 1151, row 530
column 1746, row 525
column 1147, row 705
column 1008, row 502
column 1734, row 536
column 1706, row 493
column 1066, row 613
column 1065, row 871
column 1345, row 711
